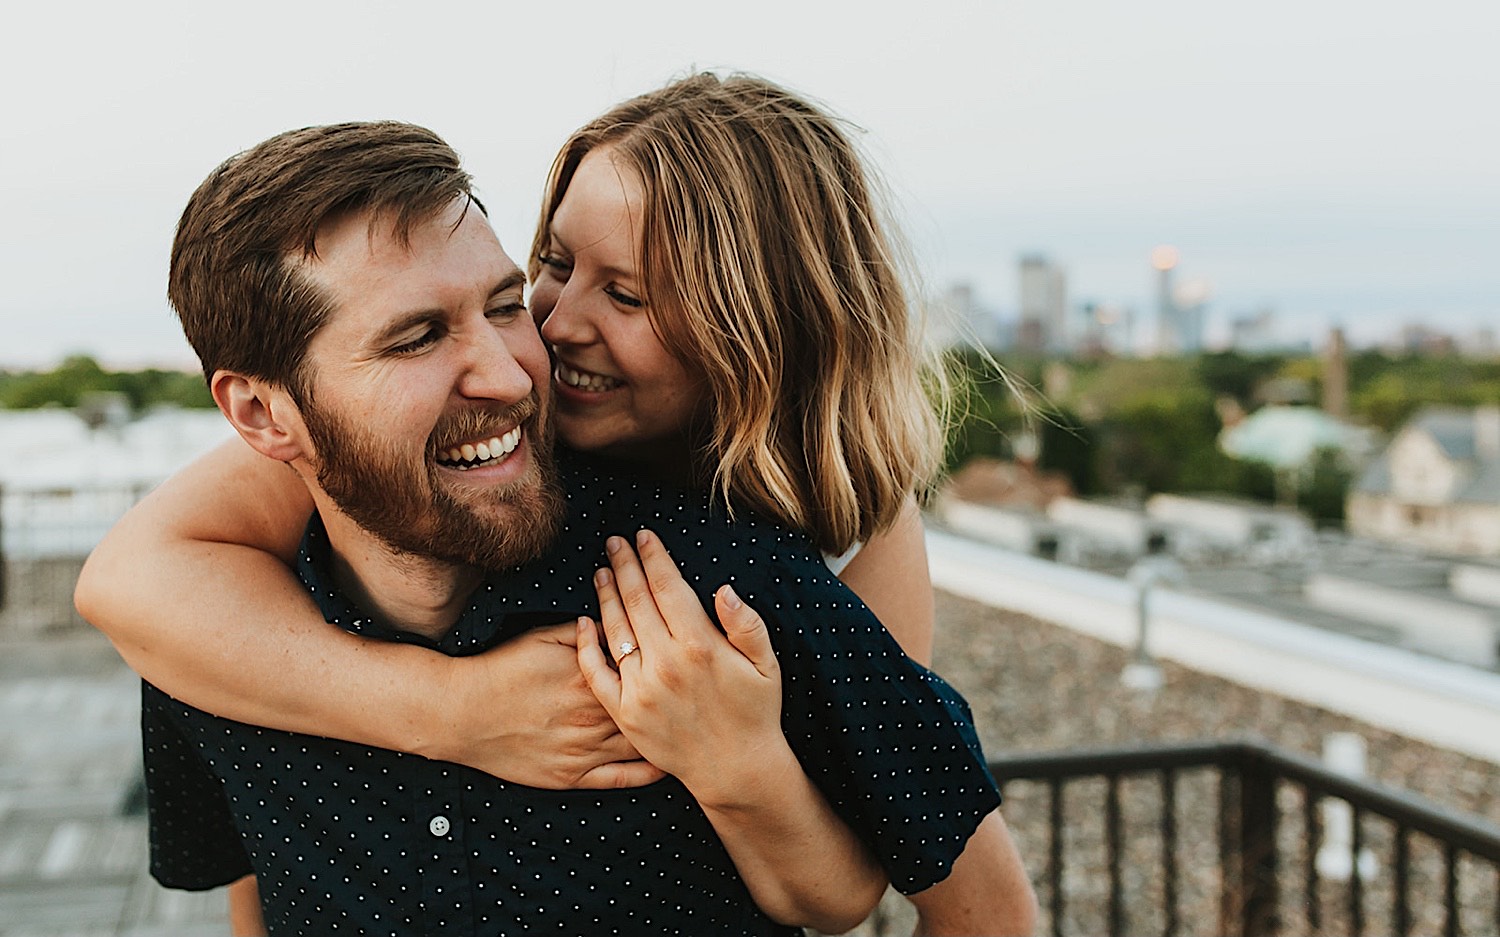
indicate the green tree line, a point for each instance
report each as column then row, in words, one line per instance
column 1141, row 426
column 79, row 376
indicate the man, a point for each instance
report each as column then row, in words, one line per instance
column 359, row 321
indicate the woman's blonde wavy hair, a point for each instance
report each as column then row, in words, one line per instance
column 768, row 270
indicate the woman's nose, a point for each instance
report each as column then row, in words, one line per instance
column 567, row 322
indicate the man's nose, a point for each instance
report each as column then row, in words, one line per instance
column 490, row 370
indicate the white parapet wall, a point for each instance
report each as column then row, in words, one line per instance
column 1012, row 529
column 1124, row 529
column 1446, row 627
column 1226, row 523
column 1476, row 583
column 1445, row 704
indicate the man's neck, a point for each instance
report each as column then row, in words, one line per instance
column 403, row 591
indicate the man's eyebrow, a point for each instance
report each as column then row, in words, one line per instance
column 509, row 282
column 408, row 320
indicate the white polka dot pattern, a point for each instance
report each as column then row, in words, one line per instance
column 350, row 839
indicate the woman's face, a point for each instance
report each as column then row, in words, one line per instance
column 617, row 388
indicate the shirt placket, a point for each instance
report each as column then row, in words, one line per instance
column 447, row 886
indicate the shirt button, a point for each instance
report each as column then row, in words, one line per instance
column 439, row 826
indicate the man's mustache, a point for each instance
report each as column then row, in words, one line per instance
column 473, row 422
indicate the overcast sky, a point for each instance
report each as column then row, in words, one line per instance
column 1336, row 160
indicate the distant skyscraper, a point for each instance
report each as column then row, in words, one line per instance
column 1336, row 376
column 1044, row 306
column 1179, row 318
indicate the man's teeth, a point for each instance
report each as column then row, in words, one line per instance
column 473, row 455
column 585, row 381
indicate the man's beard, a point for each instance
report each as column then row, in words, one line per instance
column 409, row 508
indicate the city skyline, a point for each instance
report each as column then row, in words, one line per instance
column 1331, row 163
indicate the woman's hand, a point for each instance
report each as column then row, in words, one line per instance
column 706, row 706
column 702, row 705
column 554, row 733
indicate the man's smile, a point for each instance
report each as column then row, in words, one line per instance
column 481, row 452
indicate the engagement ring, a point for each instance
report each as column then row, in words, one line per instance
column 626, row 649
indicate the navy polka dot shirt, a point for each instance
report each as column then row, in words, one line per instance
column 348, row 839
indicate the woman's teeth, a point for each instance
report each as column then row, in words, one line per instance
column 586, row 381
column 473, row 455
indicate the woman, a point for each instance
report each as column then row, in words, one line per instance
column 703, row 252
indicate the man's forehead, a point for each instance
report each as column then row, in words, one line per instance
column 370, row 274
column 370, row 232
column 366, row 246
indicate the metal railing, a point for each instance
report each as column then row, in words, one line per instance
column 1408, row 865
column 45, row 534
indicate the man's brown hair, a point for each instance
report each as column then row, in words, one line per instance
column 236, row 277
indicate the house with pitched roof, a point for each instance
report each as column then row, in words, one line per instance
column 1437, row 485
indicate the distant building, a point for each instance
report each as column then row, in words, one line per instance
column 1336, row 376
column 1107, row 330
column 957, row 320
column 1480, row 344
column 1255, row 333
column 1436, row 485
column 1180, row 310
column 1421, row 339
column 1044, row 306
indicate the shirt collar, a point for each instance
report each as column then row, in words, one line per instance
column 474, row 631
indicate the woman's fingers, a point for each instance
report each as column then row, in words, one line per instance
column 636, row 599
column 601, row 678
column 746, row 630
column 676, row 600
column 694, row 700
column 619, row 622
column 604, row 682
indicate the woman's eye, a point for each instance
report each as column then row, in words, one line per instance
column 624, row 299
column 555, row 264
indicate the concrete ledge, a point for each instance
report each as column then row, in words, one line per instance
column 1444, row 704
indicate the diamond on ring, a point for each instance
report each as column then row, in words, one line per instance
column 626, row 649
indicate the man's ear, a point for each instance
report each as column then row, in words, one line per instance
column 265, row 416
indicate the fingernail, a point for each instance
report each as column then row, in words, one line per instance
column 601, row 577
column 642, row 537
column 584, row 624
column 613, row 544
column 727, row 593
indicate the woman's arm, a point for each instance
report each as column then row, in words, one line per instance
column 245, row 919
column 706, row 707
column 988, row 891
column 193, row 589
column 889, row 573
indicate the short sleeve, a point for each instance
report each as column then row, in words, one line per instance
column 194, row 842
column 891, row 744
